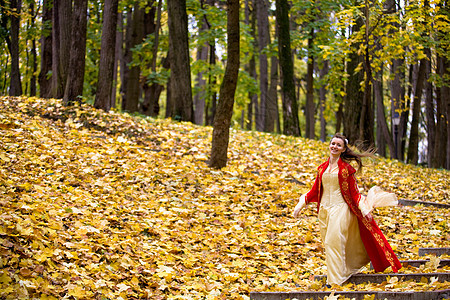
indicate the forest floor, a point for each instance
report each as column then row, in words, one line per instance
column 97, row 205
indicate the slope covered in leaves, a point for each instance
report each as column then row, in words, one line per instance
column 98, row 205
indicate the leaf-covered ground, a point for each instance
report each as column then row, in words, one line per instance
column 98, row 205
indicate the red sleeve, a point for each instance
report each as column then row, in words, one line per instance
column 313, row 194
column 353, row 187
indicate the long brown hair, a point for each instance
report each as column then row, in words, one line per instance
column 349, row 155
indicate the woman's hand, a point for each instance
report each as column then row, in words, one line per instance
column 301, row 203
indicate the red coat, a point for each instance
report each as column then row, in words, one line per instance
column 377, row 247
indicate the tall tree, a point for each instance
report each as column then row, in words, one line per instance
column 46, row 50
column 366, row 123
column 75, row 77
column 152, row 92
column 413, row 148
column 134, row 37
column 250, row 20
column 33, row 52
column 61, row 41
column 272, row 115
column 310, row 106
column 290, row 107
column 107, row 56
column 181, row 91
column 322, row 99
column 439, row 156
column 354, row 95
column 200, row 84
column 15, row 86
column 398, row 101
column 222, row 121
column 262, row 17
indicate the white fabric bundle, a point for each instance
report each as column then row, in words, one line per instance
column 377, row 198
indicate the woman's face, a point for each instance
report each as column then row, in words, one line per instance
column 337, row 146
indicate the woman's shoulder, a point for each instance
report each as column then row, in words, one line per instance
column 323, row 165
column 346, row 166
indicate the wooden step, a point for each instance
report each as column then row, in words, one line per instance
column 357, row 295
column 419, row 262
column 406, row 202
column 435, row 251
column 380, row 277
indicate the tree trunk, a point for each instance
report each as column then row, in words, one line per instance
column 445, row 91
column 46, row 50
column 413, row 148
column 135, row 36
column 354, row 95
column 438, row 155
column 366, row 124
column 127, row 55
column 263, row 40
column 60, row 45
column 221, row 130
column 429, row 111
column 15, row 85
column 150, row 105
column 65, row 41
column 251, row 68
column 310, row 106
column 181, row 90
column 322, row 100
column 107, row 56
column 290, row 108
column 200, row 97
column 383, row 134
column 118, row 59
column 75, row 77
column 33, row 79
column 272, row 115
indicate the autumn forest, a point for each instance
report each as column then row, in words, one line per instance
column 378, row 71
column 156, row 149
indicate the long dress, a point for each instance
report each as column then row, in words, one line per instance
column 344, row 249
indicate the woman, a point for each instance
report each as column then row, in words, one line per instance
column 350, row 235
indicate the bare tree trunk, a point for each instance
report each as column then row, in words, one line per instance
column 272, row 115
column 200, row 97
column 57, row 91
column 15, row 85
column 251, row 68
column 413, row 148
column 439, row 156
column 290, row 108
column 353, row 99
column 46, row 50
column 221, row 130
column 180, row 61
column 383, row 133
column 131, row 98
column 107, row 56
column 310, row 108
column 61, row 39
column 75, row 77
column 444, row 73
column 33, row 87
column 322, row 100
column 210, row 110
column 65, row 41
column 367, row 116
column 118, row 59
column 127, row 56
column 263, row 40
column 429, row 111
column 150, row 105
